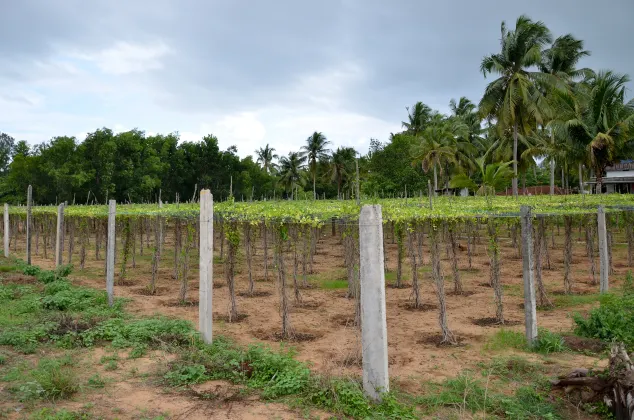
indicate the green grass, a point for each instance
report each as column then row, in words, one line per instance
column 63, row 414
column 512, row 368
column 46, row 311
column 469, row 394
column 51, row 379
column 567, row 301
column 333, row 284
column 547, row 341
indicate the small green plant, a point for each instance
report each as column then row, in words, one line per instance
column 31, row 270
column 6, row 268
column 3, row 359
column 111, row 365
column 611, row 321
column 63, row 270
column 513, row 368
column 628, row 284
column 56, row 379
column 504, row 339
column 96, row 381
column 186, row 375
column 549, row 342
column 50, row 414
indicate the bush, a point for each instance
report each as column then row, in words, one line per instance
column 609, row 322
column 186, row 375
column 549, row 342
column 57, row 380
column 73, row 298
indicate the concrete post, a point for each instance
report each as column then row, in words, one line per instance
column 206, row 267
column 112, row 213
column 6, row 230
column 59, row 238
column 373, row 316
column 530, row 307
column 29, row 221
column 604, row 263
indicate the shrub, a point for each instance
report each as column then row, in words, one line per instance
column 612, row 320
column 549, row 342
column 186, row 375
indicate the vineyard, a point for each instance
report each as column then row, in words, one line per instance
column 289, row 271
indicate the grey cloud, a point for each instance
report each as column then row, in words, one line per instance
column 230, row 55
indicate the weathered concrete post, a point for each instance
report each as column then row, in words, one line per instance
column 373, row 317
column 6, row 230
column 112, row 213
column 29, row 203
column 59, row 239
column 604, row 262
column 530, row 309
column 206, row 267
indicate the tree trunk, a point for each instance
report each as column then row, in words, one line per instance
column 399, row 258
column 542, row 298
column 439, row 282
column 568, row 283
column 295, row 239
column 581, row 189
column 248, row 251
column 590, row 251
column 494, row 259
column 435, row 180
column 453, row 251
column 287, row 329
column 614, row 386
column 515, row 140
column 552, row 176
column 266, row 250
column 412, row 256
column 230, row 267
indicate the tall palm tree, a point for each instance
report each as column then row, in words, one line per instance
column 514, row 99
column 265, row 157
column 342, row 166
column 417, row 118
column 437, row 148
column 466, row 112
column 603, row 121
column 462, row 108
column 560, row 60
column 494, row 176
column 291, row 171
column 315, row 150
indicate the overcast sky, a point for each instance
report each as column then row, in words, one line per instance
column 256, row 72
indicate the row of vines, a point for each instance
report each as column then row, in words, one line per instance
column 285, row 242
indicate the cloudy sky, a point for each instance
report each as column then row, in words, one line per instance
column 256, row 72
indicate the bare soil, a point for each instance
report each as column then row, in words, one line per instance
column 323, row 319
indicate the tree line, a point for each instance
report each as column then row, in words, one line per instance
column 541, row 119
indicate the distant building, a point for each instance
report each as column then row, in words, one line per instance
column 619, row 178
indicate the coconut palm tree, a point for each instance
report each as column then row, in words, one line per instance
column 315, row 150
column 292, row 174
column 603, row 121
column 418, row 118
column 494, row 176
column 560, row 60
column 342, row 166
column 265, row 157
column 438, row 147
column 514, row 99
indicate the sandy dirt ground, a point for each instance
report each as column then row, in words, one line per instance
column 327, row 315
